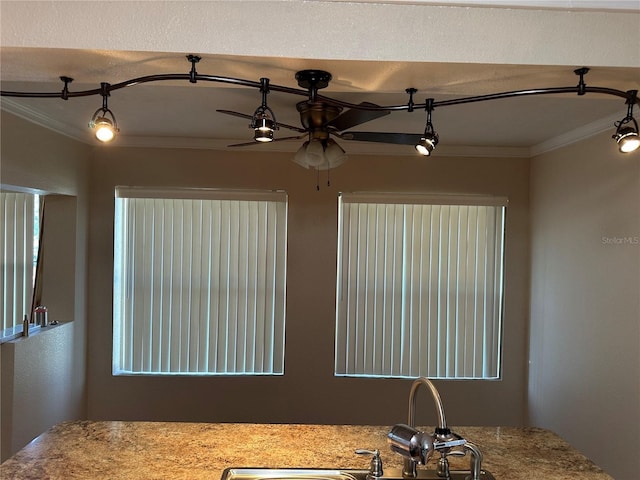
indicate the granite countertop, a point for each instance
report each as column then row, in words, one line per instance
column 167, row 450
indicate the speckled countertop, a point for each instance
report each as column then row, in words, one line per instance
column 165, row 450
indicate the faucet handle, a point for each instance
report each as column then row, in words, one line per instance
column 375, row 468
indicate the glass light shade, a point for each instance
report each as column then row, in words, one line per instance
column 320, row 155
column 627, row 139
column 104, row 129
column 301, row 155
column 334, row 154
column 315, row 153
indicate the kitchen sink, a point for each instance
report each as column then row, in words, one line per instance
column 243, row 473
column 293, row 474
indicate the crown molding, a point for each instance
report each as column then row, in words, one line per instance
column 577, row 135
column 352, row 148
column 44, row 120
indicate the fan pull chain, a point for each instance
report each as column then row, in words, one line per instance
column 318, row 178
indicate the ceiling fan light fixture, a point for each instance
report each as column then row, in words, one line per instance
column 320, row 154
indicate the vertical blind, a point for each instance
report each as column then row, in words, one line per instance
column 199, row 282
column 419, row 288
column 18, row 244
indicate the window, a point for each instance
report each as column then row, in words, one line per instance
column 419, row 287
column 19, row 249
column 199, row 282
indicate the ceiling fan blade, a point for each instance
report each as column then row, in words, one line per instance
column 247, row 144
column 235, row 114
column 296, row 137
column 250, row 117
column 354, row 117
column 383, row 137
column 291, row 127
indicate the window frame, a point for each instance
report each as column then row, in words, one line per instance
column 19, row 272
column 278, row 202
column 354, row 364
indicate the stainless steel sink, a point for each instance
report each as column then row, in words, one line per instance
column 292, row 474
column 243, row 473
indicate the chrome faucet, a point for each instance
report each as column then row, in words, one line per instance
column 411, row 420
column 417, row 447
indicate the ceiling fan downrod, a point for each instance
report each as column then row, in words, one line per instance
column 313, row 80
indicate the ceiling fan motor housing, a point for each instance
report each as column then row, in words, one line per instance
column 316, row 115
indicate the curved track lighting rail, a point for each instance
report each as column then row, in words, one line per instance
column 295, row 91
column 193, row 76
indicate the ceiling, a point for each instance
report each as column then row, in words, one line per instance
column 183, row 115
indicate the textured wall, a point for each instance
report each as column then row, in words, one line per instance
column 45, row 374
column 37, row 373
column 585, row 301
column 308, row 392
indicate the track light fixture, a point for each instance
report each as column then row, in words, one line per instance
column 429, row 139
column 263, row 120
column 626, row 135
column 105, row 129
column 322, row 117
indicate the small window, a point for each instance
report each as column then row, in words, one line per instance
column 199, row 282
column 19, row 242
column 419, row 287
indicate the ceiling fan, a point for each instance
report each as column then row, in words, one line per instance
column 320, row 117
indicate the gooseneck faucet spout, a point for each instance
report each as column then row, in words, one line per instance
column 417, row 447
column 411, row 421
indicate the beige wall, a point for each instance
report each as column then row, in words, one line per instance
column 43, row 376
column 585, row 301
column 308, row 392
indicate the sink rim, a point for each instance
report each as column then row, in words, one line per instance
column 293, row 473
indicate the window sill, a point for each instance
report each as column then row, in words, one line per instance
column 15, row 333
